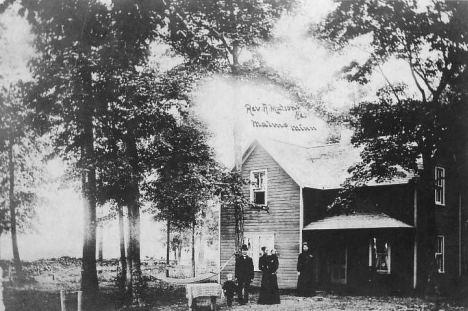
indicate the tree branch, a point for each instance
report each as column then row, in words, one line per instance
column 413, row 73
column 217, row 35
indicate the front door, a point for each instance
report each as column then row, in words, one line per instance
column 339, row 259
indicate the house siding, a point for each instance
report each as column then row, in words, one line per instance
column 282, row 218
column 397, row 201
column 447, row 223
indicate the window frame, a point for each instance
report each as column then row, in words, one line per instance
column 255, row 244
column 440, row 253
column 264, row 189
column 439, row 191
column 374, row 255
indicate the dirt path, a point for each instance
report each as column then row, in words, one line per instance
column 327, row 302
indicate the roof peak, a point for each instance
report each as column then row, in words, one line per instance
column 305, row 146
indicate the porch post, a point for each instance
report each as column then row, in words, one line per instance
column 219, row 243
column 301, row 217
column 459, row 235
column 415, row 250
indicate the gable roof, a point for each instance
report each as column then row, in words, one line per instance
column 318, row 167
column 357, row 221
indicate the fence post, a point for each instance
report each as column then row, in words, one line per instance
column 80, row 301
column 2, row 305
column 63, row 300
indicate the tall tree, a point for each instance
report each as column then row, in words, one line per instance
column 125, row 131
column 20, row 147
column 127, row 89
column 399, row 129
column 68, row 37
column 214, row 33
column 86, row 49
column 182, row 158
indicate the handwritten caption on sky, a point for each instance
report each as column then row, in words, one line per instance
column 266, row 116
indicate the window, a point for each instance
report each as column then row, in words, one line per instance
column 255, row 241
column 380, row 255
column 439, row 255
column 258, row 187
column 439, row 185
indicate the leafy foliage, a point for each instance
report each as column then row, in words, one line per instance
column 407, row 133
column 209, row 31
column 433, row 40
column 400, row 132
column 182, row 180
column 16, row 133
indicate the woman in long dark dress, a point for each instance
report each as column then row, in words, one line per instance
column 269, row 292
column 305, row 270
column 274, row 290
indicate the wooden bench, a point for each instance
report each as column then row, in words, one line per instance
column 212, row 290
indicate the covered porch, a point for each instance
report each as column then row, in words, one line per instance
column 362, row 252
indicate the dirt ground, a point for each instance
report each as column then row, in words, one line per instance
column 174, row 299
column 42, row 293
column 328, row 302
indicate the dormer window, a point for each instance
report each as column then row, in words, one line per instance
column 439, row 185
column 258, row 187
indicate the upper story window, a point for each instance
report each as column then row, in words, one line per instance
column 258, row 187
column 439, row 185
column 440, row 254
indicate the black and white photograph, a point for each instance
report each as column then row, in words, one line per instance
column 233, row 155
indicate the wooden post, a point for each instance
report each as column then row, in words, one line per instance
column 168, row 241
column 80, row 301
column 63, row 300
column 213, row 303
column 2, row 305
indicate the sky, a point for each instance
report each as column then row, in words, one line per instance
column 295, row 54
column 250, row 104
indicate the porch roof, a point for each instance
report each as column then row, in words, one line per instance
column 357, row 221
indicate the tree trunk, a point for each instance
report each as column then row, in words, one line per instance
column 14, row 238
column 129, row 277
column 168, row 249
column 123, row 262
column 101, row 243
column 179, row 252
column 237, row 135
column 193, row 249
column 427, row 230
column 133, row 254
column 235, row 110
column 201, row 249
column 89, row 280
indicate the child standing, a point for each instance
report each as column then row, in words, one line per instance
column 229, row 288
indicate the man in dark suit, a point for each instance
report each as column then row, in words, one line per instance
column 244, row 273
